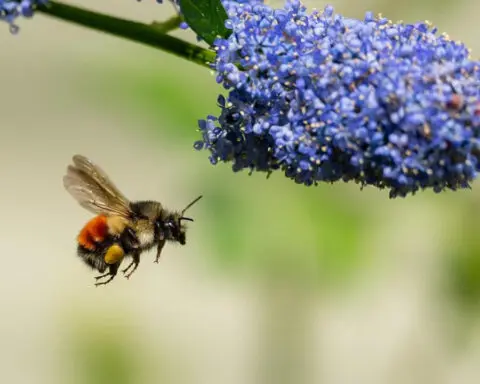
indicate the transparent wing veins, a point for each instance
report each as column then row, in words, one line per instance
column 92, row 188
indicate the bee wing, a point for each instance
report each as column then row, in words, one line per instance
column 91, row 187
column 96, row 173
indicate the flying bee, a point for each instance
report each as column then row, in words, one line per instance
column 120, row 228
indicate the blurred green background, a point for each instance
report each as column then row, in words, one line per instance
column 278, row 283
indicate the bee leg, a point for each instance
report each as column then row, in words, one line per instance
column 159, row 250
column 124, row 270
column 102, row 276
column 112, row 272
column 131, row 238
column 134, row 263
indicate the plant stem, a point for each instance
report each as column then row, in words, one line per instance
column 130, row 30
column 167, row 25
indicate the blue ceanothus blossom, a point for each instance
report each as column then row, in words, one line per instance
column 10, row 10
column 323, row 97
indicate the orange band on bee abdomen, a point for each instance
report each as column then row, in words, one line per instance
column 95, row 231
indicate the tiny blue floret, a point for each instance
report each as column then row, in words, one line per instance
column 11, row 10
column 326, row 98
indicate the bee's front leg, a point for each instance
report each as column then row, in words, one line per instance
column 161, row 243
column 129, row 239
column 134, row 264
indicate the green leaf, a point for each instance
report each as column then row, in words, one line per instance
column 206, row 18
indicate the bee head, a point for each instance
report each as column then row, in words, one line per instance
column 174, row 229
column 173, row 226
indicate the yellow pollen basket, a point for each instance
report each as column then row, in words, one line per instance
column 114, row 254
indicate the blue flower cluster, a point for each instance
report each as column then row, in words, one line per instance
column 326, row 98
column 10, row 10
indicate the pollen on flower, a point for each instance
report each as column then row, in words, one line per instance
column 327, row 98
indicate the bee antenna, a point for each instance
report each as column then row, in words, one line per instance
column 189, row 205
column 186, row 218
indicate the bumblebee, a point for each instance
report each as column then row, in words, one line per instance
column 120, row 228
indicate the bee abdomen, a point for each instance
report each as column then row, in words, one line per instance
column 105, row 240
column 94, row 259
column 93, row 233
column 116, row 225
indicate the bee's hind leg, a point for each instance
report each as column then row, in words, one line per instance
column 102, row 276
column 133, row 264
column 112, row 272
